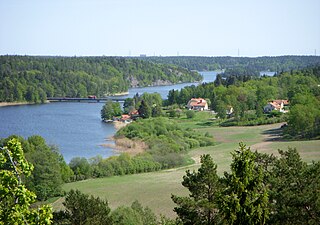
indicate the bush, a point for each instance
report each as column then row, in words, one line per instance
column 190, row 114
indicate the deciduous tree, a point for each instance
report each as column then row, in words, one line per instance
column 15, row 198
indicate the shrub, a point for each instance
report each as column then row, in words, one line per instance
column 190, row 114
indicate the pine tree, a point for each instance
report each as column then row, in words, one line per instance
column 200, row 207
column 245, row 198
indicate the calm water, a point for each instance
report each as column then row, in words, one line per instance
column 76, row 128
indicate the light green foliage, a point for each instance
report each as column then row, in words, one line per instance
column 304, row 116
column 110, row 110
column 165, row 138
column 50, row 169
column 123, row 164
column 190, row 114
column 244, row 199
column 15, row 197
column 80, row 167
column 200, row 207
column 135, row 214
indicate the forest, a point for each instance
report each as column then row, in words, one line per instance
column 34, row 78
column 265, row 63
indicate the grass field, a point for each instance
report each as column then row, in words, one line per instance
column 155, row 189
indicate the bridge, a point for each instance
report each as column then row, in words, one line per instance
column 67, row 99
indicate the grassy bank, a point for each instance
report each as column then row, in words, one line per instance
column 154, row 189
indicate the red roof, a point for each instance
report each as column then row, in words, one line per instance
column 279, row 101
column 125, row 117
column 135, row 112
column 197, row 102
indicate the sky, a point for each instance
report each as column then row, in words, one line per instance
column 160, row 27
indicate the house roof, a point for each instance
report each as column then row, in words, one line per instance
column 279, row 101
column 197, row 102
column 125, row 117
column 275, row 105
column 134, row 112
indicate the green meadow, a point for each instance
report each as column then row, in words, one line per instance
column 155, row 189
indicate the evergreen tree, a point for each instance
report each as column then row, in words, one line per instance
column 200, row 207
column 294, row 193
column 82, row 209
column 144, row 110
column 245, row 198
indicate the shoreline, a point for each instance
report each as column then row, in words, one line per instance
column 4, row 104
column 120, row 93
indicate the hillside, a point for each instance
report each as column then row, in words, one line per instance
column 34, row 78
column 265, row 63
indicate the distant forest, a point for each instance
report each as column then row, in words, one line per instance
column 34, row 78
column 265, row 63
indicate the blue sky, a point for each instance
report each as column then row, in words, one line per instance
column 160, row 27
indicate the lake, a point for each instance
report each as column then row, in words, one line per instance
column 76, row 128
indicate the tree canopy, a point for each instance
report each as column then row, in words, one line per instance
column 16, row 199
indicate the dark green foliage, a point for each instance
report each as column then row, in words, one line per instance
column 34, row 78
column 82, row 209
column 260, row 189
column 200, row 207
column 110, row 110
column 266, row 63
column 144, row 110
column 245, row 198
column 295, row 187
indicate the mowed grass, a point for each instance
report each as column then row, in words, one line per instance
column 155, row 189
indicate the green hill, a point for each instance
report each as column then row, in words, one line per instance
column 34, row 78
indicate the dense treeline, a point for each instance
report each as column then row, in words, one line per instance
column 259, row 189
column 34, row 78
column 266, row 63
column 247, row 99
column 112, row 166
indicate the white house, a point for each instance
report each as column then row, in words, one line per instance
column 276, row 105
